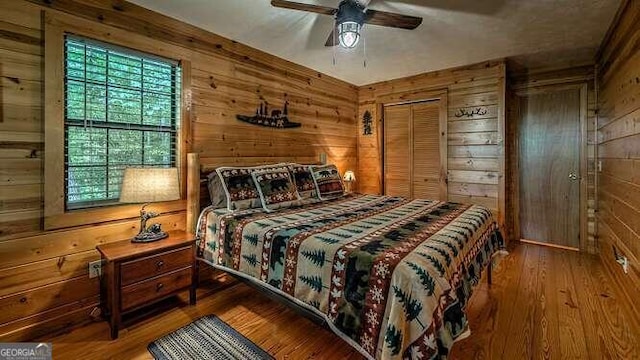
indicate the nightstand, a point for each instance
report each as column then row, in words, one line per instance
column 139, row 274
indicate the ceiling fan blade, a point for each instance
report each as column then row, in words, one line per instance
column 332, row 40
column 324, row 10
column 383, row 18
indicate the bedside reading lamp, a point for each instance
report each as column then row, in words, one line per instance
column 348, row 178
column 147, row 185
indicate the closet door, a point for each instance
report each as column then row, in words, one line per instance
column 427, row 177
column 413, row 157
column 397, row 150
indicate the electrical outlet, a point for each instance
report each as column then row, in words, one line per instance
column 323, row 158
column 95, row 269
column 624, row 262
column 95, row 313
column 621, row 259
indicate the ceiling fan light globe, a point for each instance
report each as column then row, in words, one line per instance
column 348, row 34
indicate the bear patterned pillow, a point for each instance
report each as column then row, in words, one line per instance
column 328, row 181
column 276, row 188
column 240, row 189
column 216, row 191
column 303, row 180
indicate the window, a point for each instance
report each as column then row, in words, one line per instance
column 121, row 109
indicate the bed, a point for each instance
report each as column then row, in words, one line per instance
column 390, row 276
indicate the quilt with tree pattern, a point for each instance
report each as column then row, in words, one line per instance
column 391, row 276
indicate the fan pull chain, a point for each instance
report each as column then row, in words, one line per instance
column 364, row 48
column 335, row 26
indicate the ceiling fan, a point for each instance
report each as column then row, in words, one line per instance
column 350, row 16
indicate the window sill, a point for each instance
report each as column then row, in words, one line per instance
column 93, row 216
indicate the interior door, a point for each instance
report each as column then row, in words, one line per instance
column 549, row 161
column 397, row 150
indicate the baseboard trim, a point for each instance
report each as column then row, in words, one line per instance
column 550, row 245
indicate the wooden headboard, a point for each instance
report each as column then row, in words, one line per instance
column 197, row 192
column 193, row 191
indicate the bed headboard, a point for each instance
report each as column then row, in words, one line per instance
column 193, row 191
column 197, row 192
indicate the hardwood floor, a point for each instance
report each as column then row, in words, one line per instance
column 276, row 328
column 544, row 303
column 548, row 303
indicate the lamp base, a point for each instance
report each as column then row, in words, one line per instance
column 145, row 237
column 347, row 186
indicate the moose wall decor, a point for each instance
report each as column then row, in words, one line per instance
column 277, row 119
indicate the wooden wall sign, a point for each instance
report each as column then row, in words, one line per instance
column 277, row 119
column 367, row 122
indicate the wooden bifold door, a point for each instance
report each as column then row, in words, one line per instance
column 414, row 150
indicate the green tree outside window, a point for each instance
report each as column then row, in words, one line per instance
column 121, row 110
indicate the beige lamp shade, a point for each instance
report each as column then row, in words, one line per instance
column 349, row 176
column 143, row 185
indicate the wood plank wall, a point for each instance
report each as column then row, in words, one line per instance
column 531, row 79
column 619, row 147
column 44, row 282
column 475, row 143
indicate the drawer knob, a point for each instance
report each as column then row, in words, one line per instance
column 160, row 264
column 159, row 287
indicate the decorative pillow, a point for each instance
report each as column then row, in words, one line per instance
column 216, row 191
column 328, row 181
column 304, row 181
column 276, row 188
column 239, row 188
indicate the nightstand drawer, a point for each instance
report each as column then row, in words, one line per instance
column 155, row 288
column 140, row 274
column 142, row 269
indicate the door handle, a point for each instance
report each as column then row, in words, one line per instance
column 573, row 176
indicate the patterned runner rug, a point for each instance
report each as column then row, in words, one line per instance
column 206, row 338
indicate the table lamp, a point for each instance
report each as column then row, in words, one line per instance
column 147, row 185
column 348, row 178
